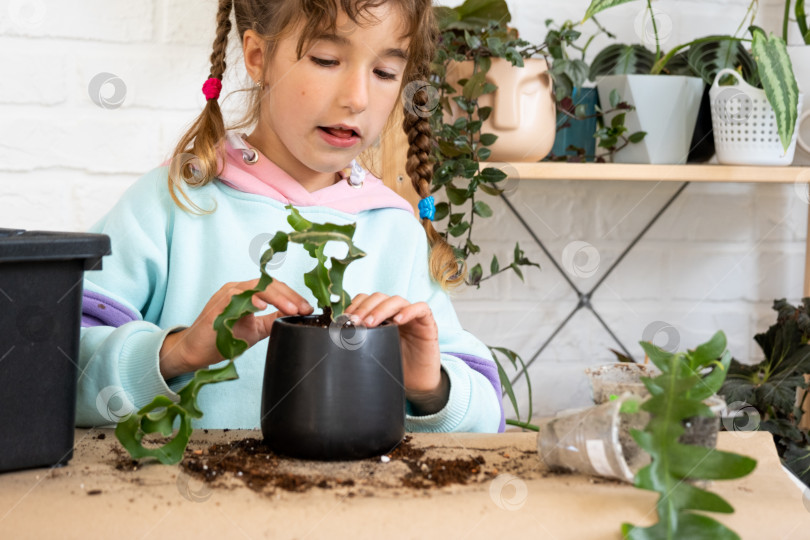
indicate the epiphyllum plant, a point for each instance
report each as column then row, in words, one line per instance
column 686, row 379
column 160, row 415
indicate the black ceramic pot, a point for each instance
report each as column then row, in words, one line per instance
column 701, row 148
column 332, row 393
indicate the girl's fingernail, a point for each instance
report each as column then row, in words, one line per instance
column 369, row 319
column 397, row 318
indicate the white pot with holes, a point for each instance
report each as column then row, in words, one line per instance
column 744, row 125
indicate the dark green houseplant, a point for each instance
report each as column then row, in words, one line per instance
column 161, row 415
column 770, row 387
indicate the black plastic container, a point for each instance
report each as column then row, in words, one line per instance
column 41, row 282
column 333, row 393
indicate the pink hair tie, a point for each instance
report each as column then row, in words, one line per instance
column 211, row 88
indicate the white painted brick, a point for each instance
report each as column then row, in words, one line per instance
column 94, row 195
column 700, row 216
column 710, row 272
column 191, row 22
column 639, row 276
column 35, row 201
column 94, row 20
column 31, row 77
column 96, row 140
column 158, row 78
column 780, row 214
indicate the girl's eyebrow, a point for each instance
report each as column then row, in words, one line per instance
column 392, row 52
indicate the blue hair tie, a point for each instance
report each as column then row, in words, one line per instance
column 427, row 208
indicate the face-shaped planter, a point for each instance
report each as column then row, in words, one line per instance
column 523, row 108
column 333, row 393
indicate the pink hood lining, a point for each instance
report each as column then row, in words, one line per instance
column 267, row 179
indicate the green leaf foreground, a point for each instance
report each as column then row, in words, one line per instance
column 778, row 81
column 677, row 394
column 160, row 415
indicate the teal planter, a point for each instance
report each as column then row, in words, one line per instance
column 580, row 132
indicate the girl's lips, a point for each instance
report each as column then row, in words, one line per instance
column 339, row 138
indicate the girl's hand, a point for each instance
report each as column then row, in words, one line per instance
column 196, row 346
column 419, row 337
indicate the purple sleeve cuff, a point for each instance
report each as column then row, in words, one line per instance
column 488, row 369
column 99, row 310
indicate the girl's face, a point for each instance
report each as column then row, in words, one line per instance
column 320, row 112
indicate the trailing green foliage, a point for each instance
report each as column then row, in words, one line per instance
column 160, row 415
column 677, row 394
column 475, row 31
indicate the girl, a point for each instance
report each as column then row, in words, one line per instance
column 327, row 76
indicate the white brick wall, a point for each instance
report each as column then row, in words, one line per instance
column 715, row 260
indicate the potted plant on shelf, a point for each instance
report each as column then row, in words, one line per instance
column 485, row 61
column 770, row 57
column 578, row 113
column 666, row 108
column 365, row 415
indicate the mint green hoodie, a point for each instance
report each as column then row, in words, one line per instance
column 166, row 264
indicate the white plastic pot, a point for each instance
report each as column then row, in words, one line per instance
column 744, row 125
column 666, row 108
